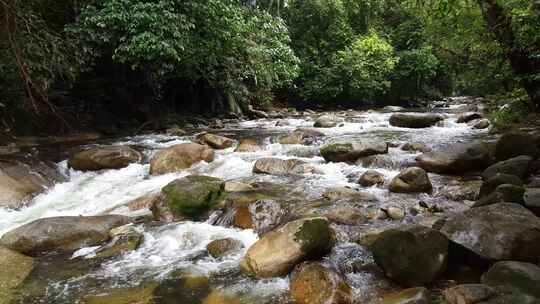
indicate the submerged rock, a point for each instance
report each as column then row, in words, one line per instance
column 123, row 239
column 278, row 251
column 215, row 141
column 143, row 294
column 503, row 231
column 344, row 193
column 411, row 180
column 469, row 294
column 190, row 197
column 248, row 145
column 514, row 144
column 352, row 151
column 312, row 283
column 415, row 147
column 179, row 157
column 417, row 295
column 346, row 216
column 413, row 256
column 458, row 158
column 65, row 233
column 279, row 166
column 100, row 158
column 14, row 269
column 518, row 166
column 415, row 120
column 222, row 247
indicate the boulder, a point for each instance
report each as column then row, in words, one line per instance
column 503, row 231
column 416, row 295
column 468, row 116
column 413, row 256
column 101, row 158
column 14, row 269
column 520, row 276
column 518, row 166
column 344, row 193
column 394, row 213
column 415, row 147
column 222, row 247
column 531, row 198
column 352, row 151
column 463, row 191
column 505, row 193
column 234, row 186
column 277, row 166
column 179, row 157
column 20, row 181
column 411, row 180
column 313, row 283
column 326, row 121
column 496, row 180
column 248, row 145
column 215, row 141
column 514, row 144
column 371, row 178
column 415, row 120
column 468, row 294
column 64, row 234
column 346, row 216
column 261, row 216
column 481, row 124
column 278, row 251
column 456, row 159
column 295, row 138
column 190, row 197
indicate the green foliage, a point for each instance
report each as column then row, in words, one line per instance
column 508, row 109
column 366, row 66
column 218, row 41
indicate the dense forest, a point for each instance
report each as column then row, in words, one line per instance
column 89, row 62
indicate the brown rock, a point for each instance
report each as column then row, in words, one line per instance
column 215, row 141
column 312, row 283
column 100, row 158
column 179, row 157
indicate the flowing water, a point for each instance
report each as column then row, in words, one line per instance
column 172, row 260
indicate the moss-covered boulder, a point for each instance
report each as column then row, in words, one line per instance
column 518, row 166
column 505, row 193
column 514, row 144
column 190, row 197
column 14, row 268
column 411, row 180
column 351, row 151
column 413, row 256
column 114, row 157
column 278, row 251
column 179, row 157
column 313, row 283
column 521, row 277
column 496, row 180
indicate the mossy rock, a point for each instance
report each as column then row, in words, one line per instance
column 193, row 196
column 139, row 295
column 14, row 268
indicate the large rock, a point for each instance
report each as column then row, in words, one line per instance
column 456, row 159
column 215, row 141
column 468, row 116
column 411, row 180
column 190, row 197
column 415, row 120
column 179, row 157
column 248, row 145
column 416, row 295
column 278, row 166
column 532, row 199
column 262, row 215
column 221, row 247
column 468, row 294
column 496, row 180
column 412, row 256
column 278, row 251
column 371, row 178
column 326, row 121
column 518, row 166
column 100, row 158
column 312, row 283
column 505, row 193
column 522, row 277
column 14, row 269
column 481, row 124
column 496, row 232
column 515, row 144
column 20, row 181
column 64, row 234
column 352, row 151
column 344, row 193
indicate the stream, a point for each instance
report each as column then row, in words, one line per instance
column 172, row 260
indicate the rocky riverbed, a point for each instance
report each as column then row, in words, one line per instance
column 381, row 206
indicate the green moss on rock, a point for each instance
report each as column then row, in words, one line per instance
column 315, row 237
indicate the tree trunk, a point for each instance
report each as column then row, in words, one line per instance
column 524, row 65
